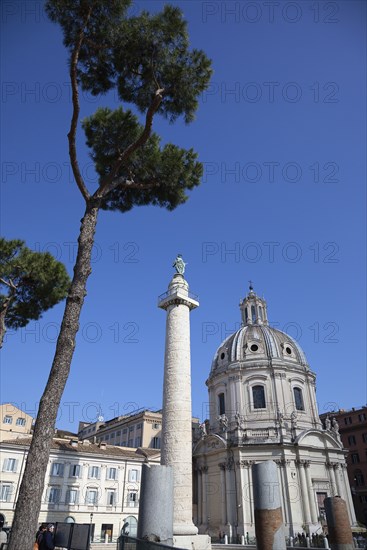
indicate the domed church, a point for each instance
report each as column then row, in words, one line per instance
column 262, row 406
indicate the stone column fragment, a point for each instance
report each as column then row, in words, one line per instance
column 269, row 526
column 156, row 487
column 340, row 532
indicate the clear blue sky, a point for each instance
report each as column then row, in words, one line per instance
column 282, row 135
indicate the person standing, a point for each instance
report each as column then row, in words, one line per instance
column 3, row 538
column 47, row 541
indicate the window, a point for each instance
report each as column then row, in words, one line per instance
column 5, row 492
column 364, row 437
column 118, row 433
column 111, row 473
column 131, row 429
column 72, row 496
column 156, row 443
column 124, row 431
column 358, row 478
column 94, row 472
column 132, row 500
column 362, row 417
column 8, row 419
column 363, row 498
column 320, row 503
column 10, row 465
column 133, row 475
column 91, row 498
column 253, row 314
column 258, row 395
column 261, row 312
column 130, row 443
column 74, row 470
column 221, row 404
column 355, row 458
column 138, row 441
column 138, row 426
column 298, row 399
column 53, row 495
column 156, row 426
column 57, row 469
column 20, row 422
column 348, row 420
column 132, row 526
column 111, row 497
column 351, row 440
column 107, row 437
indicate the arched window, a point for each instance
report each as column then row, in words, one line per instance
column 298, row 399
column 221, row 404
column 69, row 519
column 258, row 396
column 130, row 527
column 261, row 313
column 253, row 314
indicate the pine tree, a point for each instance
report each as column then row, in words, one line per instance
column 31, row 283
column 147, row 60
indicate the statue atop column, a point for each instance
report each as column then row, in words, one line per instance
column 179, row 265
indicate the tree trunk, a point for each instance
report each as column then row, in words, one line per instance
column 3, row 311
column 30, row 494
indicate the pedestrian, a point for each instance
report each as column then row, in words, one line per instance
column 3, row 538
column 47, row 541
column 39, row 534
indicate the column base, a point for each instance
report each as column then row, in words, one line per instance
column 192, row 542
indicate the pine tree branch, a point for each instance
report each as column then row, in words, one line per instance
column 109, row 184
column 10, row 284
column 76, row 109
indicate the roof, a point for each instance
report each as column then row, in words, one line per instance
column 90, row 448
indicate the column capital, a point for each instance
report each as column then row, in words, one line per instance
column 245, row 463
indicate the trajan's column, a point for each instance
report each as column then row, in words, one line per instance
column 177, row 416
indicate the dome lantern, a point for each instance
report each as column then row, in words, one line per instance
column 253, row 309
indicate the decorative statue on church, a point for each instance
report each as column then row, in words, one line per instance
column 294, row 419
column 280, row 418
column 223, row 422
column 179, row 265
column 202, row 428
column 240, row 421
column 335, row 425
column 327, row 424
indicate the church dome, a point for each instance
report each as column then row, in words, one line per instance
column 256, row 342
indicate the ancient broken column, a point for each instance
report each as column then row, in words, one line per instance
column 156, row 504
column 177, row 416
column 339, row 529
column 269, row 526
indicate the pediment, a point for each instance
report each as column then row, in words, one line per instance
column 209, row 444
column 316, row 438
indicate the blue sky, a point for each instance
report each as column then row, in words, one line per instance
column 282, row 135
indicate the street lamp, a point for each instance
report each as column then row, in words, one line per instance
column 90, row 530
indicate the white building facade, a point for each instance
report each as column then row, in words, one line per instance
column 84, row 483
column 263, row 406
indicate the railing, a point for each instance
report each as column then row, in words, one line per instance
column 174, row 290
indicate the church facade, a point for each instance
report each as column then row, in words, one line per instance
column 262, row 403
